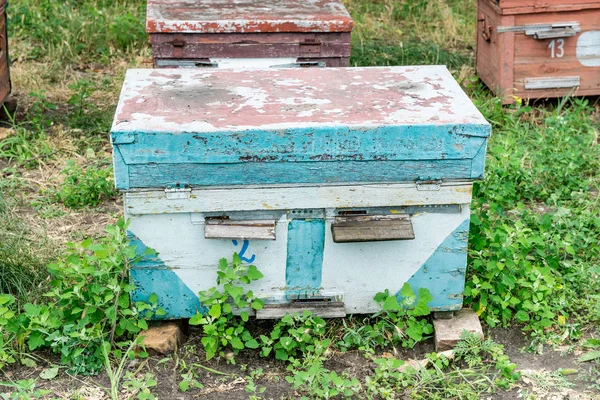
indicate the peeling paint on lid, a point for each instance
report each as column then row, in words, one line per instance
column 245, row 16
column 200, row 100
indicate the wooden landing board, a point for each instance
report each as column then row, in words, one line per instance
column 248, row 16
column 321, row 309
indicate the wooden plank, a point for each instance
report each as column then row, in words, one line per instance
column 219, row 16
column 183, row 39
column 5, row 83
column 250, row 50
column 139, row 202
column 284, row 173
column 156, row 102
column 372, row 228
column 321, row 309
column 217, row 228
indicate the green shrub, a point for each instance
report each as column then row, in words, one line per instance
column 85, row 187
column 535, row 224
column 221, row 327
column 88, row 304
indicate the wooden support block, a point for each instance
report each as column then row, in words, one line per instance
column 164, row 338
column 448, row 331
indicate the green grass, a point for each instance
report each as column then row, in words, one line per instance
column 76, row 31
column 534, row 257
column 22, row 267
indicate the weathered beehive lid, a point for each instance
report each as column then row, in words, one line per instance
column 295, row 126
column 247, row 16
column 537, row 6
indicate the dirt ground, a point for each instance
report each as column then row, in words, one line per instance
column 224, row 381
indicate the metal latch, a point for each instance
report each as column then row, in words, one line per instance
column 556, row 31
column 302, row 64
column 429, row 185
column 168, row 63
column 178, row 192
column 545, row 31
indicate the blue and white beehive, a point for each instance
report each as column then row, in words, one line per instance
column 335, row 183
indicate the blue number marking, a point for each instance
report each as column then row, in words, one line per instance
column 245, row 245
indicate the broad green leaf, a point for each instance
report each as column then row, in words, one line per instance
column 257, row 304
column 407, row 291
column 253, row 273
column 49, row 373
column 153, row 299
column 184, row 385
column 143, row 324
column 252, row 344
column 281, row 355
column 6, row 299
column 36, row 340
column 197, row 319
column 391, row 304
column 215, row 311
column 236, row 343
column 522, row 316
column 592, row 355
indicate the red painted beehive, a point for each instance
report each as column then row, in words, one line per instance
column 539, row 48
column 4, row 72
column 214, row 33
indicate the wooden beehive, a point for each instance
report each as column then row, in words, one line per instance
column 223, row 33
column 539, row 48
column 5, row 85
column 337, row 183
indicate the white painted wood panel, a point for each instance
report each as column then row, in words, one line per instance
column 360, row 270
column 140, row 202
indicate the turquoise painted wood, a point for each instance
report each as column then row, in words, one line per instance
column 305, row 245
column 163, row 175
column 289, row 126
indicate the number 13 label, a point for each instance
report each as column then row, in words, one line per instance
column 557, row 48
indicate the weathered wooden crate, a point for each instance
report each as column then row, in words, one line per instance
column 5, row 84
column 223, row 33
column 539, row 48
column 336, row 183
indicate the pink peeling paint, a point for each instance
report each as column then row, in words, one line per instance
column 226, row 100
column 246, row 16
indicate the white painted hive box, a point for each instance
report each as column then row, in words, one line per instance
column 335, row 183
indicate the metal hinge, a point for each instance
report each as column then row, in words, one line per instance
column 433, row 186
column 178, row 192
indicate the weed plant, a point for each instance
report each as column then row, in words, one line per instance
column 87, row 307
column 85, row 187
